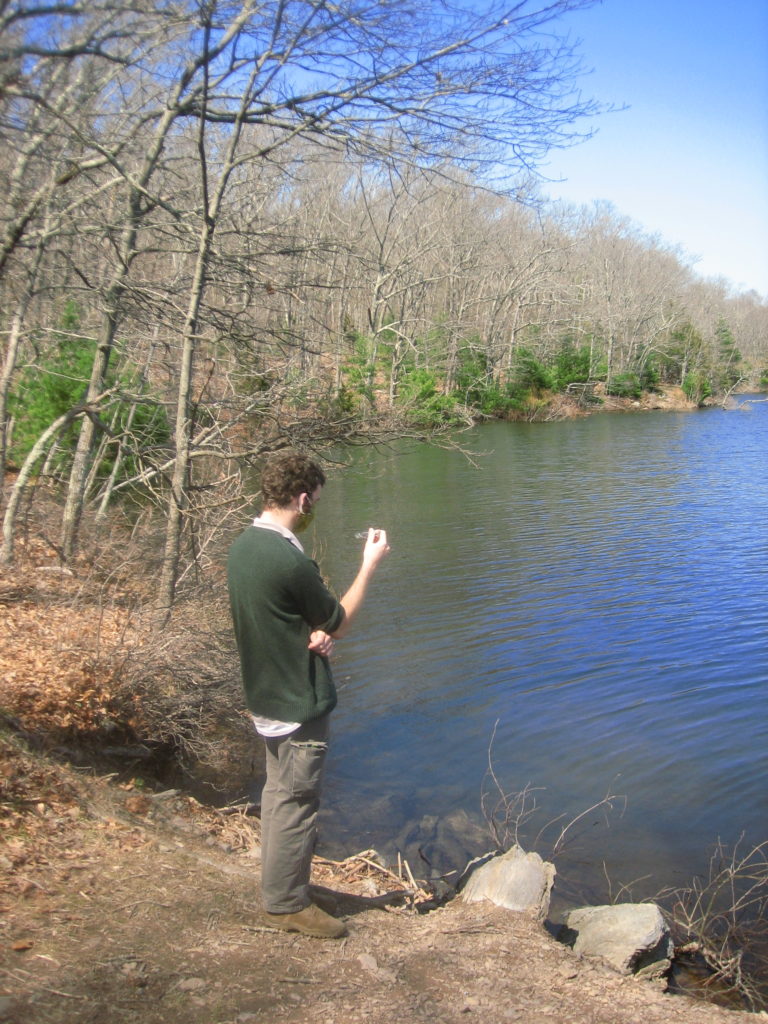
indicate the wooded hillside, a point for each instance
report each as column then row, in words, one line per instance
column 230, row 228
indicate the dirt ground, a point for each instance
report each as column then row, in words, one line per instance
column 118, row 904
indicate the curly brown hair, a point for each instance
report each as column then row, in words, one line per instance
column 286, row 476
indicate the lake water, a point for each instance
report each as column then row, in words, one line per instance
column 593, row 595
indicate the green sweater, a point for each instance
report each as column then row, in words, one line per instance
column 277, row 598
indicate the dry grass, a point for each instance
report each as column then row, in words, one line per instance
column 84, row 665
column 722, row 918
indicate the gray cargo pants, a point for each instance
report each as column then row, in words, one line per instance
column 289, row 805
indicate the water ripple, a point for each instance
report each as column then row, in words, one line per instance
column 595, row 591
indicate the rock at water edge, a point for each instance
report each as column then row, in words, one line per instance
column 632, row 937
column 516, row 880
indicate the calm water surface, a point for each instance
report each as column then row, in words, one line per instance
column 595, row 591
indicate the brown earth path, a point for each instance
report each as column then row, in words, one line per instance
column 118, row 906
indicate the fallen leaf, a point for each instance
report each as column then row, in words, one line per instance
column 191, row 984
column 138, row 804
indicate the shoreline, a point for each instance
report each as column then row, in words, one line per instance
column 117, row 902
column 666, row 398
column 670, row 398
column 82, row 661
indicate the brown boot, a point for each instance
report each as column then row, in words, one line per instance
column 309, row 921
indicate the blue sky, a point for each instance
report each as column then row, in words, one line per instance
column 688, row 158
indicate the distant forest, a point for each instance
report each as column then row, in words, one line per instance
column 231, row 228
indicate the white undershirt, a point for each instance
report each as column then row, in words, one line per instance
column 273, row 726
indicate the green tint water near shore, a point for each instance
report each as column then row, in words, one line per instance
column 596, row 591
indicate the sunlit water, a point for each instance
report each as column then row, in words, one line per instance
column 594, row 591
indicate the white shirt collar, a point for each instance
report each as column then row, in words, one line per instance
column 282, row 530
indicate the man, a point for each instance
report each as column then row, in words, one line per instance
column 285, row 621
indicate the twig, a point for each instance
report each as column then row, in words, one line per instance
column 411, row 879
column 723, row 918
column 64, row 995
column 43, row 988
column 31, row 881
column 363, row 860
column 607, row 802
column 137, row 903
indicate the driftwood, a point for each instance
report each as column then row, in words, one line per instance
column 365, row 868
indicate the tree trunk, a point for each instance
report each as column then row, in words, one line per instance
column 9, row 520
column 9, row 365
column 73, row 506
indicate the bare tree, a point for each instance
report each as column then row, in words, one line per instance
column 192, row 81
column 341, row 78
column 237, row 191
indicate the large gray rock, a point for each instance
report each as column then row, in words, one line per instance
column 516, row 880
column 632, row 937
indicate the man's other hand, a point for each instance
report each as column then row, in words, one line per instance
column 321, row 643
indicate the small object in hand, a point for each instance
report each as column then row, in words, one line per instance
column 363, row 534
